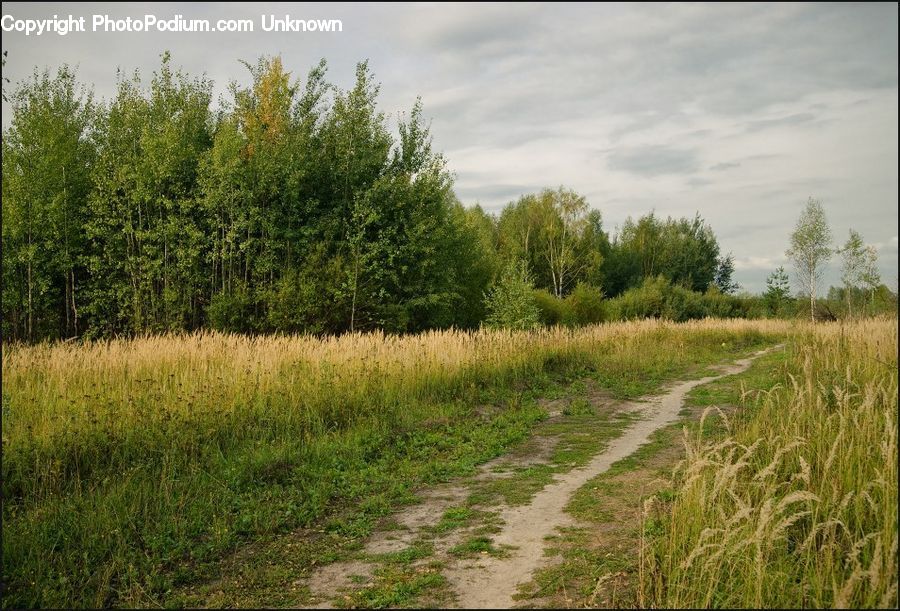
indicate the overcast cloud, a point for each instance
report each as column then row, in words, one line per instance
column 738, row 112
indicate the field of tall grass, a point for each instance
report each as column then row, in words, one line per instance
column 129, row 464
column 796, row 506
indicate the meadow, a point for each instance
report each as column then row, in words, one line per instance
column 131, row 465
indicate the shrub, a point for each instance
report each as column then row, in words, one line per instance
column 658, row 298
column 551, row 309
column 645, row 301
column 681, row 304
column 586, row 304
column 719, row 305
column 511, row 303
column 231, row 312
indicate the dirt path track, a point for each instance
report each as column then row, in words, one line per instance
column 487, row 581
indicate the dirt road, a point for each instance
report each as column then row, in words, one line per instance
column 491, row 578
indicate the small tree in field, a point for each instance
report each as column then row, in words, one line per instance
column 853, row 256
column 724, row 272
column 778, row 291
column 870, row 276
column 810, row 249
column 510, row 304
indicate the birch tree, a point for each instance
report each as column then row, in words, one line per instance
column 853, row 256
column 870, row 276
column 557, row 236
column 562, row 234
column 810, row 250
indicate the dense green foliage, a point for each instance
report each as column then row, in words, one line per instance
column 47, row 158
column 511, row 303
column 557, row 235
column 293, row 208
column 683, row 251
column 659, row 298
column 299, row 207
column 584, row 306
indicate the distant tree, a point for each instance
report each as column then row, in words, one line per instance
column 684, row 251
column 810, row 249
column 557, row 235
column 357, row 148
column 295, row 207
column 147, row 231
column 853, row 256
column 511, row 303
column 473, row 261
column 621, row 268
column 564, row 259
column 778, row 291
column 870, row 277
column 724, row 272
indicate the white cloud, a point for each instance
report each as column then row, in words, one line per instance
column 759, row 263
column 891, row 244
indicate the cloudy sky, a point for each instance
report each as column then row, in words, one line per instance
column 738, row 112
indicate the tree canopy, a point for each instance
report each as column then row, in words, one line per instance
column 292, row 206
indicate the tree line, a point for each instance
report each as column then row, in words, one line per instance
column 290, row 206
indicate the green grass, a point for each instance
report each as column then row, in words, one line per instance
column 134, row 471
column 727, row 391
column 578, row 438
column 456, row 517
column 571, row 580
column 598, row 563
column 397, row 586
column 478, row 545
column 578, row 407
column 517, row 489
column 409, row 555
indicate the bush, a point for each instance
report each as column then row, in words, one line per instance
column 290, row 303
column 231, row 311
column 311, row 298
column 658, row 298
column 645, row 301
column 719, row 305
column 681, row 304
column 754, row 306
column 586, row 304
column 511, row 303
column 551, row 309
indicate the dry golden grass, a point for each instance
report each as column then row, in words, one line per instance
column 62, row 387
column 797, row 505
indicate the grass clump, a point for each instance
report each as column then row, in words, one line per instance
column 796, row 505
